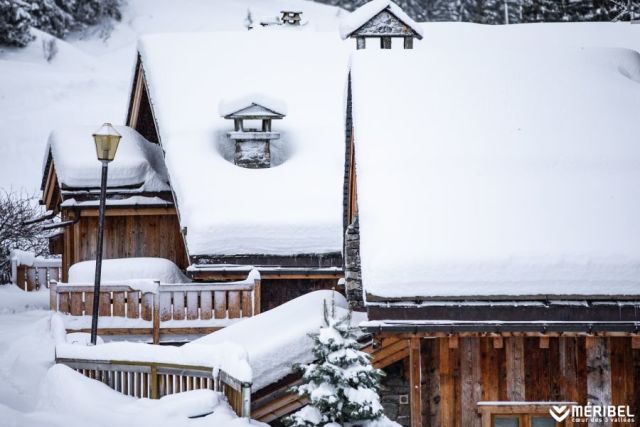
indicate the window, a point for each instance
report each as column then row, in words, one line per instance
column 520, row 414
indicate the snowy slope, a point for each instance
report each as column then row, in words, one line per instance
column 511, row 170
column 88, row 81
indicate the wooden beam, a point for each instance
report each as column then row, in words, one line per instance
column 635, row 343
column 415, row 382
column 129, row 211
column 453, row 341
column 498, row 342
column 544, row 342
column 470, row 379
column 514, row 350
column 598, row 372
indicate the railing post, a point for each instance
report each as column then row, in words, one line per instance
column 53, row 295
column 14, row 271
column 246, row 400
column 154, row 382
column 256, row 297
column 156, row 315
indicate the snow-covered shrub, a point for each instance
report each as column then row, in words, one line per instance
column 56, row 17
column 341, row 385
column 16, row 232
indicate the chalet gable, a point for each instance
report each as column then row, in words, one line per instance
column 381, row 19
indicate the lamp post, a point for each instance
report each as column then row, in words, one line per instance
column 106, row 139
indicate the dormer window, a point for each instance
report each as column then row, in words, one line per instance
column 253, row 144
column 381, row 19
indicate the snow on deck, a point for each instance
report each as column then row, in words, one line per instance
column 505, row 167
column 277, row 339
column 138, row 162
column 121, row 270
column 292, row 208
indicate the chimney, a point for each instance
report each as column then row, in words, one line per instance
column 253, row 145
column 382, row 20
column 291, row 17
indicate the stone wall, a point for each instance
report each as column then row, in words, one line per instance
column 352, row 269
column 394, row 395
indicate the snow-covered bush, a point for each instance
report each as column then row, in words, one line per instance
column 341, row 385
column 56, row 17
column 16, row 232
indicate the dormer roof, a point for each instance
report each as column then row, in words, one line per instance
column 379, row 18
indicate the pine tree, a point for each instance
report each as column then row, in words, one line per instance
column 341, row 385
column 15, row 22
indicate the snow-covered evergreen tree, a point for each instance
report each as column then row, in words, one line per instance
column 15, row 22
column 341, row 385
column 56, row 17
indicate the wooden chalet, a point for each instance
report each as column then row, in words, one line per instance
column 483, row 235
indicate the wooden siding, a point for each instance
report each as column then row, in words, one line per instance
column 457, row 373
column 125, row 236
column 278, row 291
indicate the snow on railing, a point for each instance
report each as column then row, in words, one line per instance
column 30, row 272
column 153, row 371
column 151, row 307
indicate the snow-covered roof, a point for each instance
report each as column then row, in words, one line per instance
column 511, row 169
column 246, row 105
column 356, row 19
column 288, row 341
column 293, row 207
column 138, row 162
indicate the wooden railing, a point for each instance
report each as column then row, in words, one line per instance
column 155, row 380
column 194, row 308
column 33, row 277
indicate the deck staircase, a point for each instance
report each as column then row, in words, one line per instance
column 275, row 401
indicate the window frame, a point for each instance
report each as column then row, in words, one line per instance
column 524, row 411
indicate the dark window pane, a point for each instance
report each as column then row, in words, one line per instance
column 543, row 422
column 506, row 421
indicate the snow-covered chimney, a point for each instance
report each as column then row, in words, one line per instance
column 383, row 20
column 291, row 17
column 253, row 145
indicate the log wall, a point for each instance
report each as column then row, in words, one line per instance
column 457, row 372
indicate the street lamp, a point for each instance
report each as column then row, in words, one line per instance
column 106, row 139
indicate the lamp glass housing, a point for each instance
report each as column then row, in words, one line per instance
column 106, row 139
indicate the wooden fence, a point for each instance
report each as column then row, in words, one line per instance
column 155, row 380
column 196, row 306
column 33, row 277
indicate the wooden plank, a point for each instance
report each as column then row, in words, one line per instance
column 489, row 370
column 498, row 342
column 53, row 296
column 453, row 341
column 165, row 306
column 63, row 302
column 178, row 305
column 146, row 306
column 119, row 304
column 514, row 351
column 192, row 305
column 234, row 304
column 247, row 304
column 133, row 304
column 31, row 279
column 598, row 359
column 206, row 299
column 568, row 361
column 54, row 273
column 21, row 277
column 447, row 389
column 156, row 318
column 391, row 359
column 105, row 304
column 635, row 342
column 76, row 304
column 470, row 374
column 257, row 295
column 88, row 303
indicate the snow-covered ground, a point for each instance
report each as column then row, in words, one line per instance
column 34, row 392
column 87, row 82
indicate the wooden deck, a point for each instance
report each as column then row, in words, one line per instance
column 167, row 310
